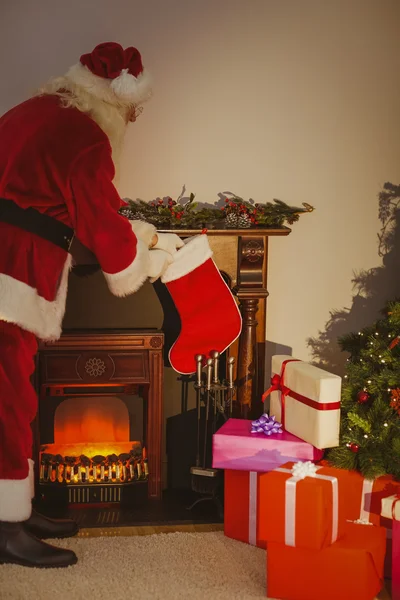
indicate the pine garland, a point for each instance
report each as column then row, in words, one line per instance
column 236, row 213
column 370, row 422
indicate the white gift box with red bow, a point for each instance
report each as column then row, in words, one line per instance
column 306, row 400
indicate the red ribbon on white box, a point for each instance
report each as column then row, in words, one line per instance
column 300, row 471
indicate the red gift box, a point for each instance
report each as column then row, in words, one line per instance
column 301, row 506
column 242, row 503
column 350, row 569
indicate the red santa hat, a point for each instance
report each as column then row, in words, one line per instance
column 113, row 74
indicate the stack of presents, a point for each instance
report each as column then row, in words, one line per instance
column 327, row 531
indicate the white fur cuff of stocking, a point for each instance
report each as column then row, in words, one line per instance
column 192, row 255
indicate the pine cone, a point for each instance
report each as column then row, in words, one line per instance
column 231, row 220
column 244, row 221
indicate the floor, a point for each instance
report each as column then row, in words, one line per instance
column 385, row 594
column 171, row 515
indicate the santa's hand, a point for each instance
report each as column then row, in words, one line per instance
column 169, row 242
column 159, row 262
column 143, row 231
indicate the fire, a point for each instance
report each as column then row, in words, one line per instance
column 92, row 419
column 80, row 454
column 90, row 449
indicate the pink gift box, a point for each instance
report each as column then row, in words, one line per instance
column 235, row 448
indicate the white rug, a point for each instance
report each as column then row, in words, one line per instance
column 173, row 566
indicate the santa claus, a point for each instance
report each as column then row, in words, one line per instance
column 58, row 155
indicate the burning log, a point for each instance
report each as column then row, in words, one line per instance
column 112, row 460
column 70, row 462
column 123, row 459
column 131, row 467
column 59, row 467
column 85, row 462
column 45, row 466
column 122, row 468
column 99, row 462
column 145, row 464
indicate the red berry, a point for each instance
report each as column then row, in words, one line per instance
column 204, row 231
column 226, row 199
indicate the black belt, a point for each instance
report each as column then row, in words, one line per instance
column 35, row 222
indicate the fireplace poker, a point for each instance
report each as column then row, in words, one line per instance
column 231, row 362
column 199, row 366
column 217, row 399
column 208, row 392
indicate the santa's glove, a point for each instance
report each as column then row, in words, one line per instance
column 210, row 318
column 159, row 260
column 168, row 242
column 143, row 231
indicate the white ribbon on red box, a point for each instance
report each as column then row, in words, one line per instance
column 299, row 471
column 253, row 508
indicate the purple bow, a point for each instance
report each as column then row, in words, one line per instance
column 267, row 425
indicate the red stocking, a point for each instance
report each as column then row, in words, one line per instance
column 210, row 318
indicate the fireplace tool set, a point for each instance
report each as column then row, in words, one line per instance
column 216, row 396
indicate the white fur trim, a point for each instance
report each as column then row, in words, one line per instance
column 107, row 90
column 194, row 253
column 132, row 89
column 143, row 231
column 22, row 305
column 15, row 499
column 132, row 278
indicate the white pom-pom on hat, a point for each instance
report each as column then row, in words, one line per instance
column 130, row 88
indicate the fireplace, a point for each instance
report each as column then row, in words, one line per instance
column 98, row 430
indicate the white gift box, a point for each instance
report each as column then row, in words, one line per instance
column 309, row 405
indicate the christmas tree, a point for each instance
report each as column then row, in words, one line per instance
column 370, row 417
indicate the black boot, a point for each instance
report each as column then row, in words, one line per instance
column 19, row 547
column 45, row 528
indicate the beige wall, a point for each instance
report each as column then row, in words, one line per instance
column 296, row 99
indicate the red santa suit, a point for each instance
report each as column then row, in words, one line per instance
column 57, row 160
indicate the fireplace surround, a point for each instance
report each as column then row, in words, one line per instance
column 99, row 425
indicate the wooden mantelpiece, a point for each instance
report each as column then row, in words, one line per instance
column 243, row 255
